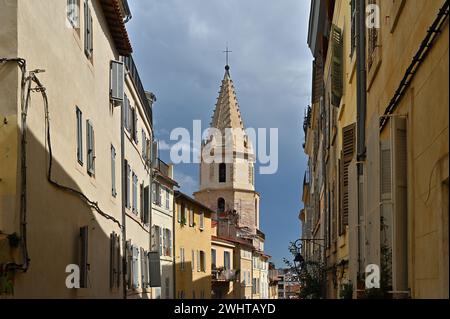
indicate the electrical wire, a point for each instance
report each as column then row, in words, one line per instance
column 40, row 88
column 25, row 100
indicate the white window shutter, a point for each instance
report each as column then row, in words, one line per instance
column 117, row 81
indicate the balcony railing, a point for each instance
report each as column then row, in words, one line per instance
column 223, row 275
column 134, row 74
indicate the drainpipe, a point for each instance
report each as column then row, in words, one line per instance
column 124, row 184
column 361, row 107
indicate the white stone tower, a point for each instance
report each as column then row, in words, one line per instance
column 227, row 185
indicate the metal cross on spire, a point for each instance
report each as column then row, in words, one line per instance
column 227, row 52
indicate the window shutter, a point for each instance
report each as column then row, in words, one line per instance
column 193, row 260
column 118, row 261
column 336, row 65
column 160, row 242
column 154, row 269
column 84, row 257
column 127, row 184
column 79, row 135
column 198, row 261
column 114, row 261
column 154, row 153
column 144, row 145
column 317, row 82
column 400, row 197
column 143, row 269
column 113, row 171
column 348, row 152
column 146, row 204
column 135, row 266
column 117, row 81
column 86, row 27
column 129, row 259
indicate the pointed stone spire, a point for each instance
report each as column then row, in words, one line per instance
column 227, row 113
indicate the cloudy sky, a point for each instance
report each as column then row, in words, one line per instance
column 178, row 48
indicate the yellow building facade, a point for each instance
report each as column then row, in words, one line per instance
column 192, row 231
column 376, row 188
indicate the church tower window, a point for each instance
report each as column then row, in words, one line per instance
column 222, row 173
column 220, row 205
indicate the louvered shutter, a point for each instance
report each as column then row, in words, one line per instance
column 386, row 220
column 198, row 261
column 400, row 218
column 317, row 82
column 84, row 257
column 154, row 153
column 135, row 267
column 117, row 81
column 118, row 262
column 154, row 269
column 86, row 27
column 146, row 205
column 112, row 259
column 79, row 135
column 113, row 171
column 143, row 268
column 336, row 65
column 348, row 151
column 129, row 259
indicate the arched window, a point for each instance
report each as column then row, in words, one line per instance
column 220, row 205
column 222, row 173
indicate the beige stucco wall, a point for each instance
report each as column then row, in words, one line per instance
column 55, row 217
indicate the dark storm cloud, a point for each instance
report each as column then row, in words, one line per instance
column 178, row 47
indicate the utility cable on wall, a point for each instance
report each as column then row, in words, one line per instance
column 25, row 99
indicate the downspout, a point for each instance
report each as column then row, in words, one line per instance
column 124, row 185
column 361, row 106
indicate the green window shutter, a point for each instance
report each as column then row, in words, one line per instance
column 336, row 65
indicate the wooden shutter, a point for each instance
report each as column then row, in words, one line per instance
column 336, row 65
column 117, row 81
column 400, row 218
column 79, row 135
column 115, row 261
column 143, row 268
column 317, row 81
column 90, row 147
column 113, row 171
column 129, row 259
column 146, row 205
column 198, row 261
column 135, row 267
column 84, row 264
column 154, row 269
column 347, row 155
